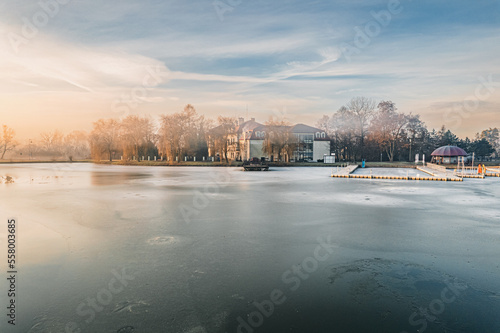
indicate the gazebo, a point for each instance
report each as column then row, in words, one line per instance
column 447, row 154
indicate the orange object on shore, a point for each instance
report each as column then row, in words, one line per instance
column 479, row 170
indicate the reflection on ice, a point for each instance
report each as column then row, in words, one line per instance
column 7, row 179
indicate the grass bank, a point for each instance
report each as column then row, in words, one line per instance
column 239, row 164
column 11, row 161
column 235, row 164
column 173, row 164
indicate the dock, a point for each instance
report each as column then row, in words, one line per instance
column 434, row 175
column 345, row 172
column 439, row 172
column 473, row 176
column 472, row 173
column 492, row 172
column 432, row 172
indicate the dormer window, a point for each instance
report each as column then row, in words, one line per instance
column 323, row 135
column 318, row 135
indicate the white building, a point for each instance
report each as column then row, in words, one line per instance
column 313, row 143
column 247, row 141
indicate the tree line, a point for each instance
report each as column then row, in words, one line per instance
column 363, row 129
column 360, row 129
column 48, row 145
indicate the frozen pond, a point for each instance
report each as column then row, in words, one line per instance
column 183, row 249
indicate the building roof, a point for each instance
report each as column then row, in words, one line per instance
column 449, row 151
column 251, row 127
column 301, row 128
column 306, row 129
column 259, row 129
column 248, row 125
column 296, row 129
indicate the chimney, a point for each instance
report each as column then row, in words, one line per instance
column 252, row 119
column 241, row 120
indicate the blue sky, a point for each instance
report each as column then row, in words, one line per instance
column 293, row 59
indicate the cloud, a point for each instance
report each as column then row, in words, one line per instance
column 264, row 54
column 47, row 63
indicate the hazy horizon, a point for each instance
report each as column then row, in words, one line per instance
column 65, row 64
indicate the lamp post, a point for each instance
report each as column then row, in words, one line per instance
column 409, row 157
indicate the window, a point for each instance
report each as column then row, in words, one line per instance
column 304, row 149
column 317, row 135
column 323, row 135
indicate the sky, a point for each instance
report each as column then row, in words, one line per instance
column 67, row 63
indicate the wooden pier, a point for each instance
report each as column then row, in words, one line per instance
column 492, row 172
column 434, row 175
column 434, row 172
column 439, row 172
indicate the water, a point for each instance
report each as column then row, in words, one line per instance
column 180, row 249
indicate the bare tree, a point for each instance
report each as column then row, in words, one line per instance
column 52, row 142
column 7, row 141
column 387, row 127
column 324, row 124
column 136, row 135
column 342, row 124
column 279, row 140
column 202, row 136
column 362, row 109
column 220, row 135
column 104, row 138
column 194, row 137
column 76, row 145
column 170, row 135
column 415, row 131
column 183, row 133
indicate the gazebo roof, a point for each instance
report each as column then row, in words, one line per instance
column 449, row 151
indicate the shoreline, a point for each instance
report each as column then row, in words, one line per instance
column 410, row 165
column 42, row 161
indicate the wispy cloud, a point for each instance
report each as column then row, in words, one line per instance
column 54, row 64
column 263, row 53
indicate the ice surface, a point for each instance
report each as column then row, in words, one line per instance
column 201, row 245
column 390, row 172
